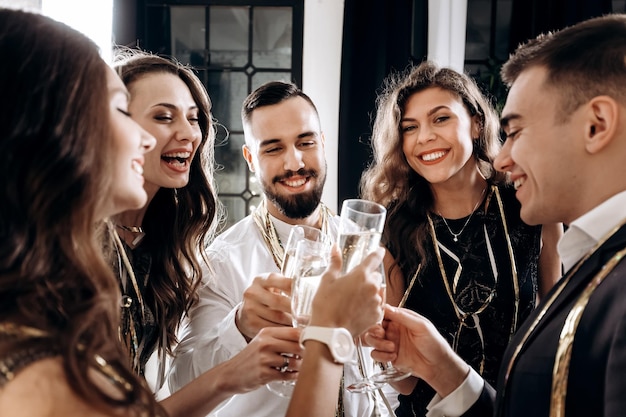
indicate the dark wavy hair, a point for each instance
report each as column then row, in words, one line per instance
column 178, row 222
column 391, row 181
column 54, row 151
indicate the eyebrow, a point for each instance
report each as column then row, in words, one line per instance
column 430, row 113
column 504, row 121
column 302, row 135
column 173, row 107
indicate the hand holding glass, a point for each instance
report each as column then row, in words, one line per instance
column 390, row 373
column 298, row 233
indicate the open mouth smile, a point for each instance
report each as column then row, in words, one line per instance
column 434, row 156
column 177, row 159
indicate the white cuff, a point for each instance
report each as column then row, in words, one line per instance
column 458, row 401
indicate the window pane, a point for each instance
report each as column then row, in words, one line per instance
column 272, row 37
column 228, row 90
column 233, row 170
column 228, row 36
column 188, row 34
column 236, row 209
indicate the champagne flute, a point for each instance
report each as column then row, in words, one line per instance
column 311, row 260
column 297, row 234
column 390, row 373
column 360, row 228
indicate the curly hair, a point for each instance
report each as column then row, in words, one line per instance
column 390, row 180
column 55, row 148
column 178, row 223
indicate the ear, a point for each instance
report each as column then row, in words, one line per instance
column 602, row 122
column 476, row 127
column 247, row 155
column 323, row 139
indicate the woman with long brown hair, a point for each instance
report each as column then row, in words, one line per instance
column 462, row 256
column 71, row 156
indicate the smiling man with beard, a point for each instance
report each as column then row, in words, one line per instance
column 285, row 150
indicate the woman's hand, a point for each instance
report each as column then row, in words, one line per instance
column 352, row 300
column 261, row 361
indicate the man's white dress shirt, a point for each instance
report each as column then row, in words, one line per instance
column 210, row 337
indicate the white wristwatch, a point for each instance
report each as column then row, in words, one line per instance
column 338, row 340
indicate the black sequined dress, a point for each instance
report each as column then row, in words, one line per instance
column 484, row 292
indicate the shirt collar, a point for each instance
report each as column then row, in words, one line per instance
column 587, row 230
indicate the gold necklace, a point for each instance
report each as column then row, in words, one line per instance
column 462, row 316
column 455, row 236
column 136, row 230
column 132, row 342
column 263, row 222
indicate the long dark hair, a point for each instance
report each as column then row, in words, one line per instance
column 178, row 222
column 391, row 181
column 55, row 144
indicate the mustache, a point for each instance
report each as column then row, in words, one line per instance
column 301, row 172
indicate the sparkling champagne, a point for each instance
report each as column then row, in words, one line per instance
column 303, row 292
column 356, row 246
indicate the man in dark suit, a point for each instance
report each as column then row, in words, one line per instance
column 565, row 151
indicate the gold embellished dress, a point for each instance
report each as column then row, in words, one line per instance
column 478, row 289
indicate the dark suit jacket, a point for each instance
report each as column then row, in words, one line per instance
column 596, row 385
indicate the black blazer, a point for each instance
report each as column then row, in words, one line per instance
column 596, row 385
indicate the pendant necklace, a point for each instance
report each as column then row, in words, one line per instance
column 455, row 236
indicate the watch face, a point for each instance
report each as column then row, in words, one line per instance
column 343, row 344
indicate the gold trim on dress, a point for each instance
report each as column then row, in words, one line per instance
column 462, row 316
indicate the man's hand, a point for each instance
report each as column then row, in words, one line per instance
column 410, row 340
column 266, row 302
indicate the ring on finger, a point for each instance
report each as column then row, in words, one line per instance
column 285, row 366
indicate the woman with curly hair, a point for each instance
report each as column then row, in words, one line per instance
column 458, row 252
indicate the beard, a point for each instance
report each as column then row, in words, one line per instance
column 296, row 206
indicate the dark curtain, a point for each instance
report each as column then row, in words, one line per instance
column 378, row 36
column 533, row 17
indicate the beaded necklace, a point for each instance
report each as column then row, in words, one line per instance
column 263, row 222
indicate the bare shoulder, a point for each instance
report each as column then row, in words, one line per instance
column 42, row 389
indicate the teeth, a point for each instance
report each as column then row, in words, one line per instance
column 297, row 183
column 137, row 167
column 518, row 183
column 433, row 156
column 183, row 155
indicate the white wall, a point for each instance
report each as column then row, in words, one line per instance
column 446, row 32
column 321, row 74
column 93, row 18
